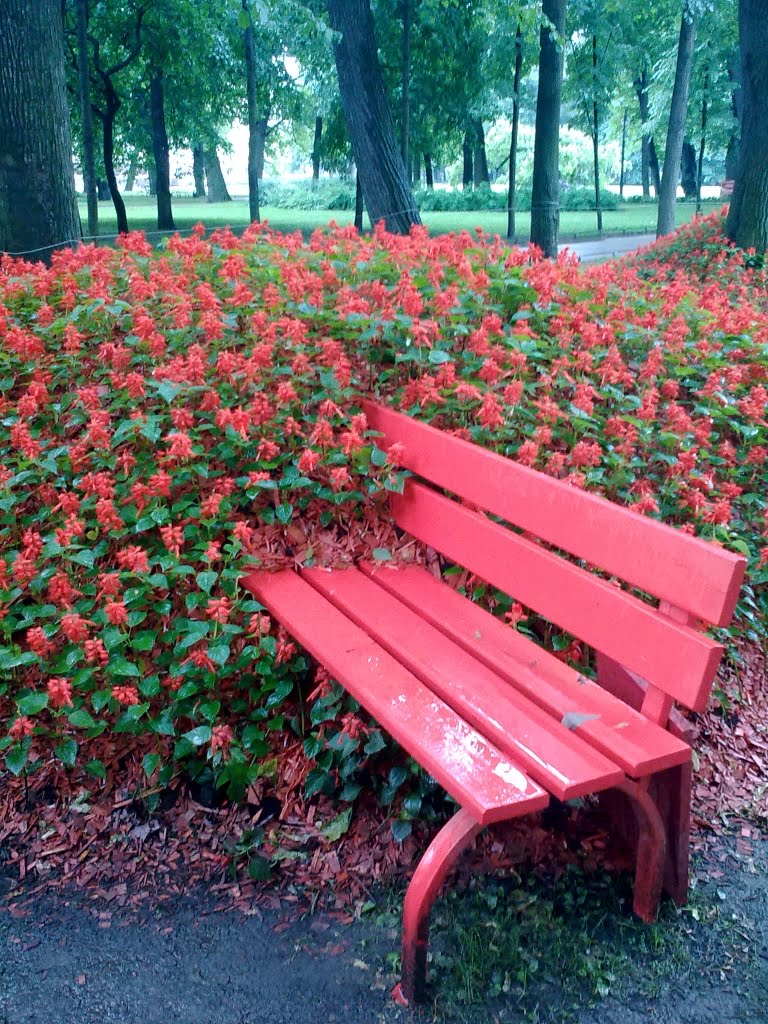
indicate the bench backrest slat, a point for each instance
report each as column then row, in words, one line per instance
column 689, row 573
column 674, row 657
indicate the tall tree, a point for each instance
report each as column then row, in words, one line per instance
column 676, row 128
column 253, row 112
column 161, row 151
column 545, row 201
column 511, row 192
column 383, row 176
column 748, row 216
column 38, row 207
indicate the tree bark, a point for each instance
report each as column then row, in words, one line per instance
column 545, row 201
column 383, row 175
column 596, row 136
column 624, row 157
column 511, row 194
column 747, row 222
column 481, row 174
column 112, row 105
column 38, row 204
column 676, row 128
column 467, row 175
column 253, row 117
column 316, row 150
column 84, row 88
column 262, row 127
column 152, row 177
column 130, row 179
column 405, row 105
column 358, row 204
column 198, row 170
column 650, row 161
column 429, row 176
column 688, row 170
column 161, row 152
column 217, row 186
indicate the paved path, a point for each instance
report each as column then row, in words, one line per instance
column 69, row 961
column 605, row 248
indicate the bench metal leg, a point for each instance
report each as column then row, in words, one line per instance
column 651, row 850
column 671, row 791
column 442, row 854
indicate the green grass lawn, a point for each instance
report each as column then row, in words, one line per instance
column 630, row 219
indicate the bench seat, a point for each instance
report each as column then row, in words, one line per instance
column 466, row 764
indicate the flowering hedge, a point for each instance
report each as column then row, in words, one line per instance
column 167, row 418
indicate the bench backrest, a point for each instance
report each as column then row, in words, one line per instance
column 694, row 580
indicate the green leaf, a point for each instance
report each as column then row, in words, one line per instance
column 150, row 764
column 127, row 721
column 401, row 830
column 317, row 779
column 124, row 668
column 209, row 710
column 81, row 719
column 144, row 641
column 199, row 735
column 16, row 759
column 32, row 704
column 67, row 752
column 14, row 659
column 219, row 653
column 284, row 513
column 96, row 768
column 335, row 829
column 207, row 580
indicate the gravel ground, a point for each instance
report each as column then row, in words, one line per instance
column 189, row 964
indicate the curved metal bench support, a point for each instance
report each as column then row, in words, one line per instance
column 651, row 851
column 443, row 852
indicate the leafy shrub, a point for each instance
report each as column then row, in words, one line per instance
column 325, row 195
column 169, row 418
column 584, row 199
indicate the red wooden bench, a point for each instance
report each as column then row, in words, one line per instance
column 497, row 720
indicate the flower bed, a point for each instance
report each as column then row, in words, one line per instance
column 169, row 418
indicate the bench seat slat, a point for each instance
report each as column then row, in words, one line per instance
column 688, row 572
column 677, row 659
column 562, row 762
column 624, row 735
column 469, row 767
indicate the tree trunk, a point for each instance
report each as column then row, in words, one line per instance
column 405, row 106
column 624, row 157
column 481, row 159
column 688, row 170
column 86, row 115
column 130, row 179
column 596, row 136
column 38, row 204
column 316, row 150
column 702, row 142
column 161, row 152
column 152, row 176
column 198, row 170
column 545, row 201
column 383, row 176
column 262, row 127
column 649, row 158
column 428, row 173
column 358, row 204
column 416, row 169
column 511, row 197
column 112, row 105
column 748, row 216
column 217, row 186
column 676, row 128
column 466, row 152
column 253, row 117
column 102, row 190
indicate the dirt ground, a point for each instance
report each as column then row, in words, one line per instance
column 65, row 959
